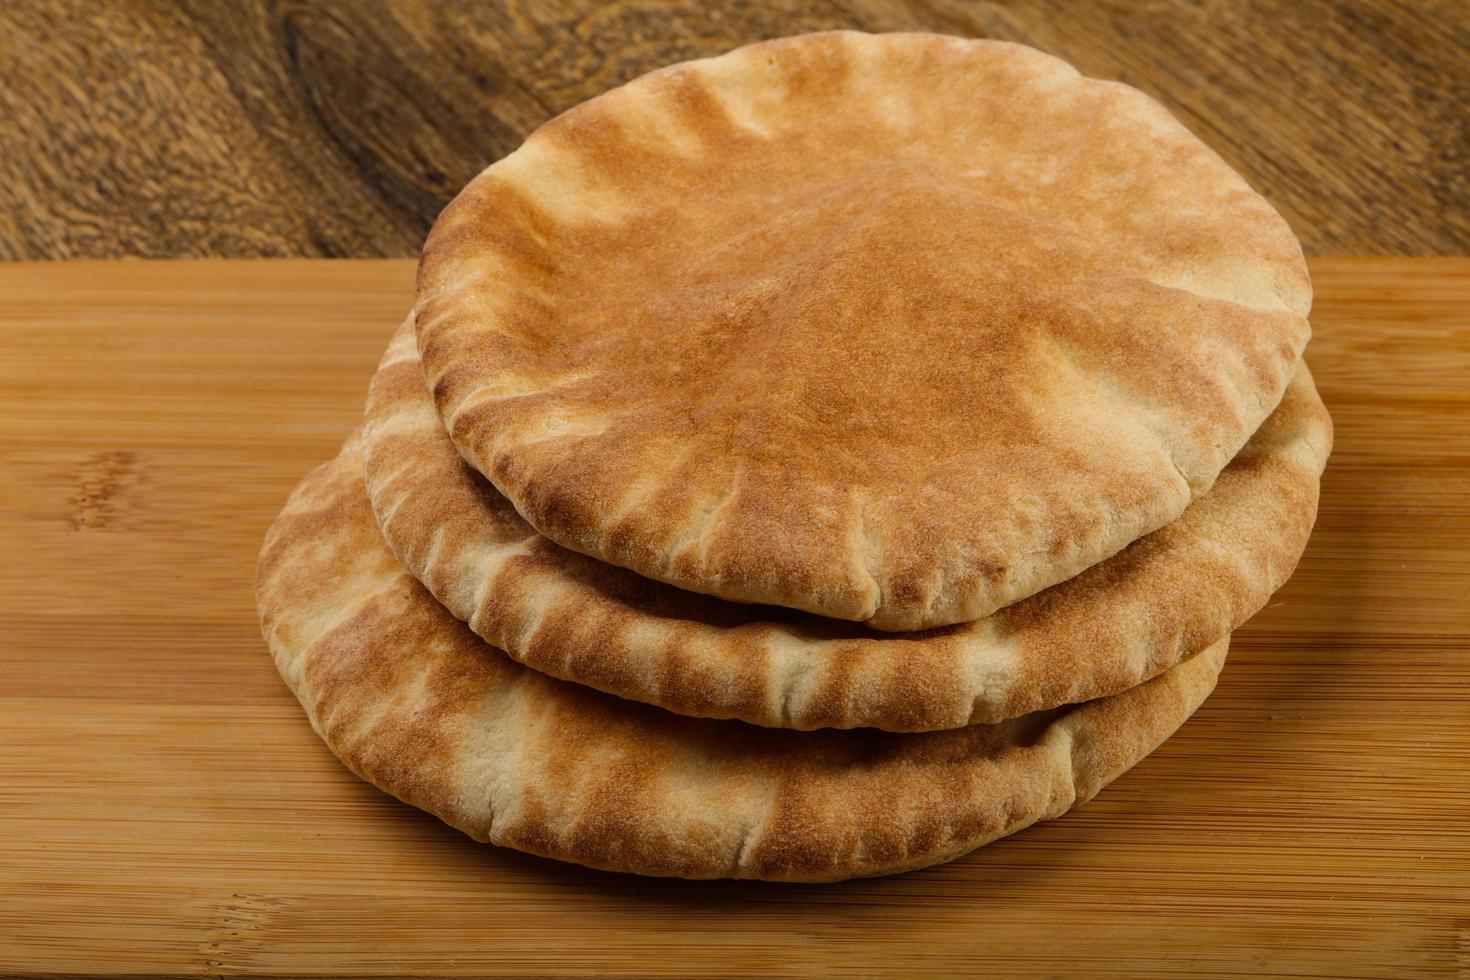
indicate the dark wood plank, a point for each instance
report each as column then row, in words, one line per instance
column 287, row 127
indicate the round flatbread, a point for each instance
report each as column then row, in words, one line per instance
column 897, row 329
column 415, row 703
column 1117, row 624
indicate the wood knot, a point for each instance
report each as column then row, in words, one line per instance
column 103, row 483
column 238, row 933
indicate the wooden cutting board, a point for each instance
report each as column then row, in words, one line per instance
column 165, row 808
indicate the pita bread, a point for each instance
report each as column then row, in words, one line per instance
column 1117, row 624
column 897, row 329
column 413, row 702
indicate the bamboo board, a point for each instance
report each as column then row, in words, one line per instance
column 165, row 808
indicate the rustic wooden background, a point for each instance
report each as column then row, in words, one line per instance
column 288, row 127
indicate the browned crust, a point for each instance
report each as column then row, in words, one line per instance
column 413, row 702
column 1119, row 623
column 897, row 329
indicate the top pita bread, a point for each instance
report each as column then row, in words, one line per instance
column 1160, row 600
column 896, row 328
column 414, row 702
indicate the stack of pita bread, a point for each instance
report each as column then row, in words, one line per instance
column 811, row 462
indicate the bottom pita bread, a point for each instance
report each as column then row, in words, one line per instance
column 415, row 703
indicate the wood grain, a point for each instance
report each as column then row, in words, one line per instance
column 287, row 127
column 167, row 810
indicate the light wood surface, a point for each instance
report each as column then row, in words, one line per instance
column 165, row 808
column 297, row 127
